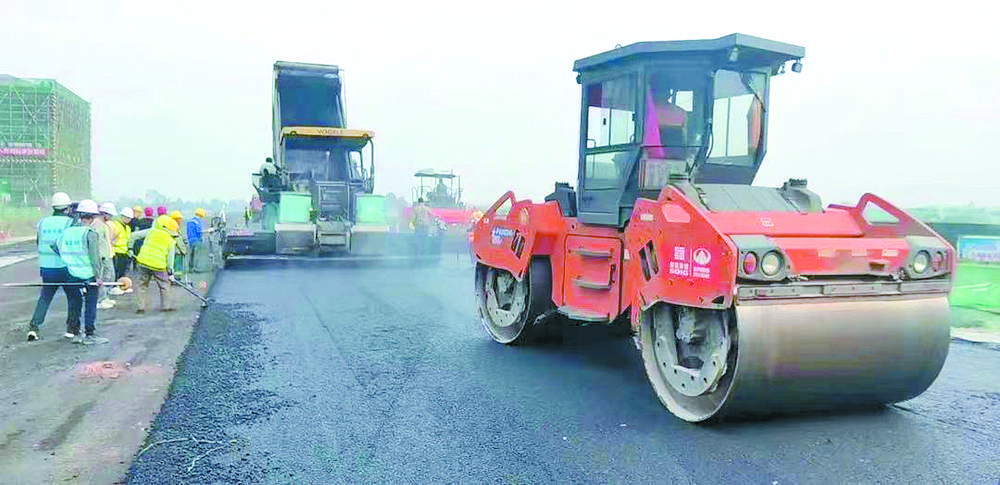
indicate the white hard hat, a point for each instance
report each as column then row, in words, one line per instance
column 108, row 208
column 87, row 206
column 60, row 200
column 127, row 212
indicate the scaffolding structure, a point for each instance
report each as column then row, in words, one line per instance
column 44, row 141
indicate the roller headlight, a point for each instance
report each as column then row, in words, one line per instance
column 921, row 262
column 749, row 263
column 771, row 263
column 938, row 262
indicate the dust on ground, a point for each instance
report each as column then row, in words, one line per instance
column 71, row 413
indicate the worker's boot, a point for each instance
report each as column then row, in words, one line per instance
column 93, row 340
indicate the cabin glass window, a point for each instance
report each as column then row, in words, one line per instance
column 737, row 118
column 611, row 112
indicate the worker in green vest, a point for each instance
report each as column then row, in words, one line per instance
column 52, row 268
column 80, row 249
column 156, row 262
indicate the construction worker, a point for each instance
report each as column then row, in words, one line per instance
column 421, row 220
column 80, row 249
column 476, row 215
column 195, row 239
column 391, row 212
column 136, row 217
column 120, row 231
column 147, row 221
column 182, row 245
column 156, row 262
column 51, row 267
column 100, row 226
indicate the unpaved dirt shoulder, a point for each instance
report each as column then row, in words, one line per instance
column 78, row 414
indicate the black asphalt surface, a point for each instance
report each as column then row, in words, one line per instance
column 347, row 374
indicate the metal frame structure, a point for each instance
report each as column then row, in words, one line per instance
column 44, row 140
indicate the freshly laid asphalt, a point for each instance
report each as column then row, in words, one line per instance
column 333, row 373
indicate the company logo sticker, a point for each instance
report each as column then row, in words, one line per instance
column 702, row 256
column 680, row 268
column 499, row 234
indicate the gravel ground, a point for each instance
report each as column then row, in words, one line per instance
column 343, row 373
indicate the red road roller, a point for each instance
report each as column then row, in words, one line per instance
column 744, row 300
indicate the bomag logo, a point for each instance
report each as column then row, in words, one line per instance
column 498, row 235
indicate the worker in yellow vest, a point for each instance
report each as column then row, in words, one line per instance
column 156, row 262
column 119, row 232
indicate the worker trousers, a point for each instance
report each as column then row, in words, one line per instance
column 121, row 265
column 108, row 275
column 57, row 275
column 162, row 279
column 195, row 251
column 421, row 240
column 89, row 297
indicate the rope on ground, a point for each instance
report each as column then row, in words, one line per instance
column 203, row 455
column 194, row 440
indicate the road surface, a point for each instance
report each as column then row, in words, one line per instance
column 343, row 374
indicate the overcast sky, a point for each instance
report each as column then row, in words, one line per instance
column 900, row 101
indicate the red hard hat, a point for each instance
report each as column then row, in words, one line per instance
column 149, row 212
column 161, row 211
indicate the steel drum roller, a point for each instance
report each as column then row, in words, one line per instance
column 800, row 356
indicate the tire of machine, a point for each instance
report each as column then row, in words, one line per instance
column 538, row 301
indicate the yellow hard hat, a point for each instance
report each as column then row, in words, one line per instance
column 199, row 212
column 170, row 225
column 161, row 221
column 176, row 215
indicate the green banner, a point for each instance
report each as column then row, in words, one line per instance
column 977, row 286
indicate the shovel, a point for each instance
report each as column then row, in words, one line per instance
column 204, row 301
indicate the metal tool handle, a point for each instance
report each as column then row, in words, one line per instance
column 190, row 290
column 33, row 285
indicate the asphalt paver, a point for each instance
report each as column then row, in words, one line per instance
column 368, row 374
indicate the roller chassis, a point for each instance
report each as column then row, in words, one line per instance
column 600, row 275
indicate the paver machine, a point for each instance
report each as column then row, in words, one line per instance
column 317, row 188
column 743, row 300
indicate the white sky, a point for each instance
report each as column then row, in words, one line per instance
column 900, row 101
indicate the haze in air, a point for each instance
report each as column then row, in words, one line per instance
column 488, row 90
